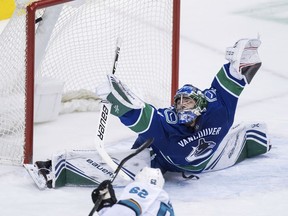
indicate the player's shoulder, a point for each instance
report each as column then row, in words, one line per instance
column 216, row 100
column 210, row 95
column 168, row 114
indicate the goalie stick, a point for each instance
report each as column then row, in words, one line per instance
column 103, row 122
column 145, row 145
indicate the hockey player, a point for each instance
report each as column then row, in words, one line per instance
column 192, row 135
column 144, row 196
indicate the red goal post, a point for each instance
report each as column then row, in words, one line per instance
column 150, row 51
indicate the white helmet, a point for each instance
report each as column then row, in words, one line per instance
column 151, row 176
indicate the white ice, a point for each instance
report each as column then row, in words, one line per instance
column 256, row 187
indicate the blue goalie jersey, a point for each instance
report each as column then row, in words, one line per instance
column 179, row 148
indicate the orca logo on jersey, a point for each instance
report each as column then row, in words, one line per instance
column 203, row 150
column 103, row 121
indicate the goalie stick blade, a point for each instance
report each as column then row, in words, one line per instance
column 37, row 178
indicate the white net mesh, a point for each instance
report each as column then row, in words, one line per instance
column 12, row 90
column 79, row 51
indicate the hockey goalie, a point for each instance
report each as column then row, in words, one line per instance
column 196, row 134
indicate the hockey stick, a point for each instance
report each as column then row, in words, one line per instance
column 145, row 145
column 103, row 122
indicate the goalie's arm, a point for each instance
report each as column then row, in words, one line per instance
column 132, row 111
column 140, row 120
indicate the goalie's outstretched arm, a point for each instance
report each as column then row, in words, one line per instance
column 132, row 111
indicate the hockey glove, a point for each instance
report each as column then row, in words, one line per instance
column 105, row 192
column 122, row 98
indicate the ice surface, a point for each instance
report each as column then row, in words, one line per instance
column 256, row 187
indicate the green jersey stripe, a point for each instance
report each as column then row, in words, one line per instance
column 144, row 120
column 228, row 84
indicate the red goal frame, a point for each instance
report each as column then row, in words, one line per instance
column 30, row 56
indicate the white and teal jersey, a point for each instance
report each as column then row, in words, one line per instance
column 140, row 199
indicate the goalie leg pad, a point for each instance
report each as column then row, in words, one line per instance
column 256, row 141
column 243, row 141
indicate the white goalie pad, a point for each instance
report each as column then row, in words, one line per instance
column 244, row 140
column 87, row 168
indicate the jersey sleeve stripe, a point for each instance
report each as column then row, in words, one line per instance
column 144, row 121
column 227, row 83
column 132, row 204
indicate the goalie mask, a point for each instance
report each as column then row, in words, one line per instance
column 189, row 103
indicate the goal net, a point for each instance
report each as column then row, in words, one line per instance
column 74, row 42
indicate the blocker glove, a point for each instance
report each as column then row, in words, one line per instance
column 106, row 193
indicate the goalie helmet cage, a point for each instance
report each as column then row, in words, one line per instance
column 74, row 41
